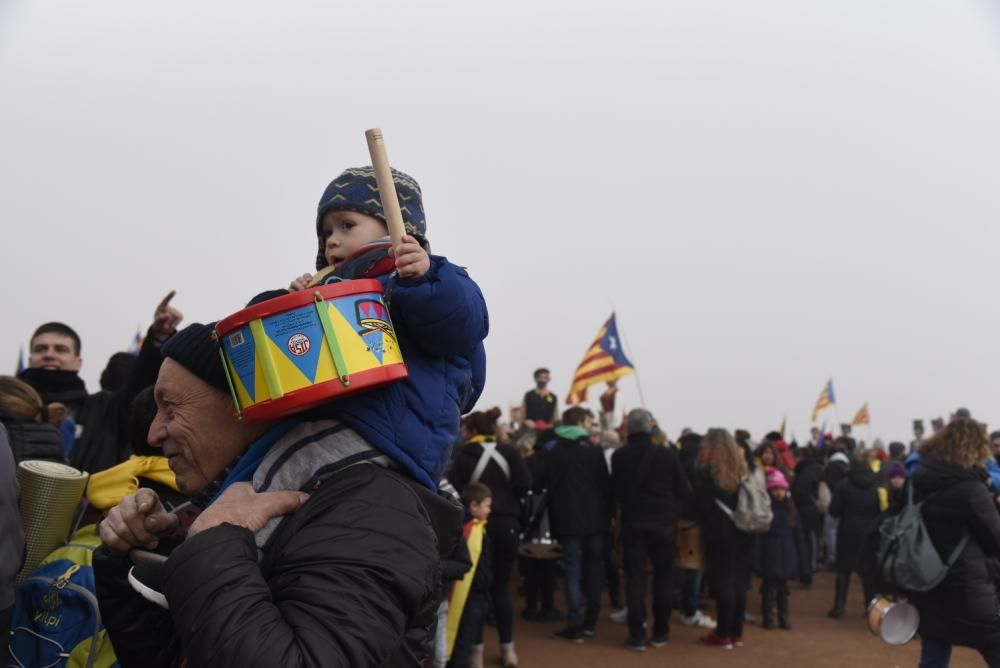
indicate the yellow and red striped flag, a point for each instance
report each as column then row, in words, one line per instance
column 826, row 399
column 862, row 416
column 604, row 361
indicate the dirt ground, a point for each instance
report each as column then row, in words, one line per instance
column 814, row 641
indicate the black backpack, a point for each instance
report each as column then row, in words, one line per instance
column 907, row 558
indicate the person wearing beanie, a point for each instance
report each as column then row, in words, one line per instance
column 298, row 516
column 438, row 313
column 776, row 552
column 649, row 486
column 54, row 363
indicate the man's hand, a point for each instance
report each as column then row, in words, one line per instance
column 138, row 521
column 300, row 283
column 412, row 260
column 165, row 319
column 241, row 506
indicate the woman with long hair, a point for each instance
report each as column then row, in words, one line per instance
column 498, row 466
column 951, row 482
column 719, row 470
column 31, row 426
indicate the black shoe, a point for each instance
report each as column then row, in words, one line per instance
column 148, row 579
column 768, row 623
column 550, row 615
column 658, row 642
column 588, row 631
column 836, row 613
column 572, row 634
column 530, row 615
column 785, row 624
column 636, row 644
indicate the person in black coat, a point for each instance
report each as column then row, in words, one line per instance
column 499, row 467
column 950, row 481
column 21, row 412
column 837, row 466
column 539, row 574
column 580, row 505
column 649, row 484
column 857, row 507
column 805, row 493
column 776, row 552
column 721, row 466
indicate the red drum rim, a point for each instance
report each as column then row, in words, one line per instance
column 312, row 396
column 294, row 300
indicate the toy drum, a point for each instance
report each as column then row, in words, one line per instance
column 298, row 351
column 895, row 622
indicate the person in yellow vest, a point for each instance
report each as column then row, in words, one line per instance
column 470, row 595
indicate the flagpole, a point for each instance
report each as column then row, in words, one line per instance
column 635, row 370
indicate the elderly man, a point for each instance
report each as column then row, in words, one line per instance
column 313, row 548
column 648, row 483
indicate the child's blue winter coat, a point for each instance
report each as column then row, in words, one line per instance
column 440, row 320
column 775, row 554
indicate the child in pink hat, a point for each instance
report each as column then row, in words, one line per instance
column 776, row 553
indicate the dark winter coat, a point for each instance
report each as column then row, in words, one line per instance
column 34, row 440
column 507, row 492
column 648, row 484
column 856, row 504
column 805, row 493
column 728, row 551
column 352, row 578
column 836, row 470
column 579, row 487
column 964, row 609
column 776, row 552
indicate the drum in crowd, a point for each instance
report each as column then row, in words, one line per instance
column 298, row 351
column 537, row 541
column 895, row 621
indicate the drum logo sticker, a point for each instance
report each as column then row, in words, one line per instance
column 298, row 344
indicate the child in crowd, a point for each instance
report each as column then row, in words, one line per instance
column 470, row 595
column 438, row 313
column 775, row 553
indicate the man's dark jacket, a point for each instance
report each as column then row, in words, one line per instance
column 649, row 484
column 580, row 497
column 352, row 578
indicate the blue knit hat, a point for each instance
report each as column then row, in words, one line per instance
column 356, row 190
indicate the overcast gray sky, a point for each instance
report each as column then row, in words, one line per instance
column 771, row 193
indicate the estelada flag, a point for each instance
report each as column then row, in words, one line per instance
column 604, row 361
column 826, row 399
column 862, row 416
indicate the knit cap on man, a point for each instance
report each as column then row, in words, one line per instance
column 356, row 190
column 196, row 350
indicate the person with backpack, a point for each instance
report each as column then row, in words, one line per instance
column 958, row 507
column 499, row 467
column 719, row 472
column 857, row 505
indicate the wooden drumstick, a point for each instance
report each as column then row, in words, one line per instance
column 386, row 185
column 386, row 193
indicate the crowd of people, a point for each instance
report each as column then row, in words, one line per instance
column 388, row 527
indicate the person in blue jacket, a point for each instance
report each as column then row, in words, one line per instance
column 438, row 313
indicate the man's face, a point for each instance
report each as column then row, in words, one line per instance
column 542, row 379
column 195, row 427
column 54, row 351
column 918, row 432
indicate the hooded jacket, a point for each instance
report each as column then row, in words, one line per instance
column 576, row 476
column 805, row 493
column 856, row 504
column 964, row 609
column 649, row 484
column 440, row 320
